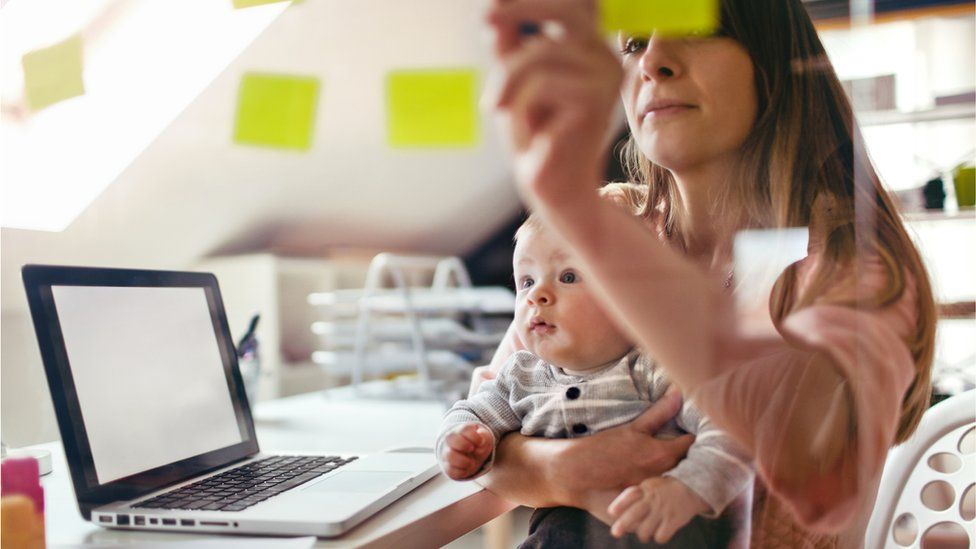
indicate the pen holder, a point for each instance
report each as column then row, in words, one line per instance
column 249, row 361
column 251, row 374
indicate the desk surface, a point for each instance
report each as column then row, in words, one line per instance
column 434, row 514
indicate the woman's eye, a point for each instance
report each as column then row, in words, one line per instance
column 568, row 278
column 633, row 45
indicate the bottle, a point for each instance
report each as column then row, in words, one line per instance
column 934, row 193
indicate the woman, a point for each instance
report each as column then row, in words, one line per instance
column 746, row 128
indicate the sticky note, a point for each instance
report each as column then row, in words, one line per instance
column 53, row 74
column 238, row 4
column 667, row 17
column 276, row 110
column 432, row 108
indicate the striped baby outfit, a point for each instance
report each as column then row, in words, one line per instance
column 536, row 398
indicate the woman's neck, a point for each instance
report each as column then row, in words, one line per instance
column 703, row 234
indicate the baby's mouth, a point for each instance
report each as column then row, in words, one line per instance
column 539, row 326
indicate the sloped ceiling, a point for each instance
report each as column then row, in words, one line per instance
column 194, row 193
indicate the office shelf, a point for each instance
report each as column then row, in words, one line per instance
column 437, row 330
column 938, row 114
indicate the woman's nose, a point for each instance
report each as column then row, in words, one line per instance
column 659, row 61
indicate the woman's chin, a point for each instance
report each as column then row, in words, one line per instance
column 670, row 152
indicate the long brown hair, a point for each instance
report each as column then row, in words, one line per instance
column 805, row 161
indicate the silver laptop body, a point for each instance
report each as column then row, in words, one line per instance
column 155, row 422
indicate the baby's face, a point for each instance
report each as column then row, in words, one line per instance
column 556, row 314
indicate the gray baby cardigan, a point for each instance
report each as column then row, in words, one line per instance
column 539, row 399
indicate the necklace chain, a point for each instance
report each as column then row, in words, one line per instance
column 728, row 279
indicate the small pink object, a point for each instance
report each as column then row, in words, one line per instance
column 20, row 476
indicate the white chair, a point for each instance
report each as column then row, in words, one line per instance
column 928, row 488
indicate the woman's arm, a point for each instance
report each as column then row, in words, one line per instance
column 543, row 472
column 509, row 345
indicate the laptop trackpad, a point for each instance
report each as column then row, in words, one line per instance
column 360, row 481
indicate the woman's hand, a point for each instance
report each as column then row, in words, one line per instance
column 558, row 89
column 620, row 457
column 586, row 472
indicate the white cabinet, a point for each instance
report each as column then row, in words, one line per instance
column 277, row 288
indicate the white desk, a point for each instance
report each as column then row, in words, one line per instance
column 434, row 514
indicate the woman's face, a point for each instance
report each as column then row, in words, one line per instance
column 688, row 101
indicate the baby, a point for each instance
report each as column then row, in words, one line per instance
column 580, row 375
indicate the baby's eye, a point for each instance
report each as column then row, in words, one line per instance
column 526, row 283
column 634, row 44
column 567, row 278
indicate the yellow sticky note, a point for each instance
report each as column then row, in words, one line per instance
column 238, row 4
column 276, row 110
column 432, row 108
column 53, row 74
column 667, row 17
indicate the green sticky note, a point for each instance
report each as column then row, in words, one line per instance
column 238, row 4
column 53, row 74
column 667, row 17
column 432, row 108
column 276, row 111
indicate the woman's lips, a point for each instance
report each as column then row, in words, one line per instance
column 666, row 112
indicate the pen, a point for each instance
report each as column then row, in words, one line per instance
column 249, row 333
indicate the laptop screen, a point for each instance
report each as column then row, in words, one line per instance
column 148, row 374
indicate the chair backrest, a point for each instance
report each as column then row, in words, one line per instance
column 928, row 489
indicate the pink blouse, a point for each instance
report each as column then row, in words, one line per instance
column 753, row 401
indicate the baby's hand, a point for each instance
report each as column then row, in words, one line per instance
column 466, row 447
column 655, row 509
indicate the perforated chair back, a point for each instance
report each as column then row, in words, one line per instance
column 927, row 497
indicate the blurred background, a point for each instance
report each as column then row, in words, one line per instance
column 283, row 145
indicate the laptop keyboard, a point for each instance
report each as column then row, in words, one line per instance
column 247, row 485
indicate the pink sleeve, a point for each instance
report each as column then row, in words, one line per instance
column 758, row 400
column 872, row 355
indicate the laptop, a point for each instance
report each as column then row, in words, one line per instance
column 155, row 422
